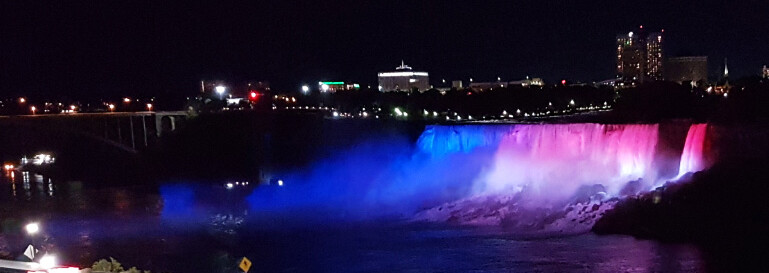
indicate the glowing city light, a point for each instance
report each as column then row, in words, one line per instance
column 402, row 74
column 398, row 111
column 324, row 87
column 47, row 261
column 111, row 107
column 33, row 109
column 32, row 228
column 305, row 88
column 22, row 100
column 220, row 89
column 126, row 100
column 149, row 106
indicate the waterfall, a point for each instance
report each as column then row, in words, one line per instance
column 552, row 159
column 529, row 174
column 692, row 157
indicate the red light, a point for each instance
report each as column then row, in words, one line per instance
column 469, row 93
column 563, row 82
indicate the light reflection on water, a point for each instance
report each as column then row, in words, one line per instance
column 183, row 228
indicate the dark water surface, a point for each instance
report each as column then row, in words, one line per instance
column 182, row 227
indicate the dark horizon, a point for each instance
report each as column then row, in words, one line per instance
column 146, row 48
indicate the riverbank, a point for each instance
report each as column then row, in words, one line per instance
column 722, row 208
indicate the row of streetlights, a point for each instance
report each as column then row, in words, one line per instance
column 110, row 106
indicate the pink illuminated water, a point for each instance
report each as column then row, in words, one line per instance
column 556, row 177
column 692, row 157
column 554, row 160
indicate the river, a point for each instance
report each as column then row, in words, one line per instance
column 164, row 229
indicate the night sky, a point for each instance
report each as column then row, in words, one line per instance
column 90, row 48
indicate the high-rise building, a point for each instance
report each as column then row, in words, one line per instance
column 640, row 56
column 690, row 69
column 404, row 79
column 654, row 57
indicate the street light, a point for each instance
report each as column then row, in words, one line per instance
column 305, row 89
column 33, row 109
column 47, row 261
column 22, row 100
column 111, row 107
column 32, row 228
column 220, row 90
column 324, row 87
column 149, row 106
column 126, row 100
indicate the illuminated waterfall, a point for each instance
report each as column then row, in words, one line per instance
column 553, row 160
column 536, row 175
column 692, row 157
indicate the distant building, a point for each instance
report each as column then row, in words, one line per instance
column 337, row 86
column 528, row 82
column 458, row 84
column 765, row 71
column 404, row 79
column 654, row 57
column 690, row 69
column 483, row 86
column 640, row 56
column 610, row 82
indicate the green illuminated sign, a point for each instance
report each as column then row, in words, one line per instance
column 331, row 83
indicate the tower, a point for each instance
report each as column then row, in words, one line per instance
column 640, row 56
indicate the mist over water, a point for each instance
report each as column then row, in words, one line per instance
column 509, row 167
column 377, row 178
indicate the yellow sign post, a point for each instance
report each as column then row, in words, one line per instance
column 245, row 264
